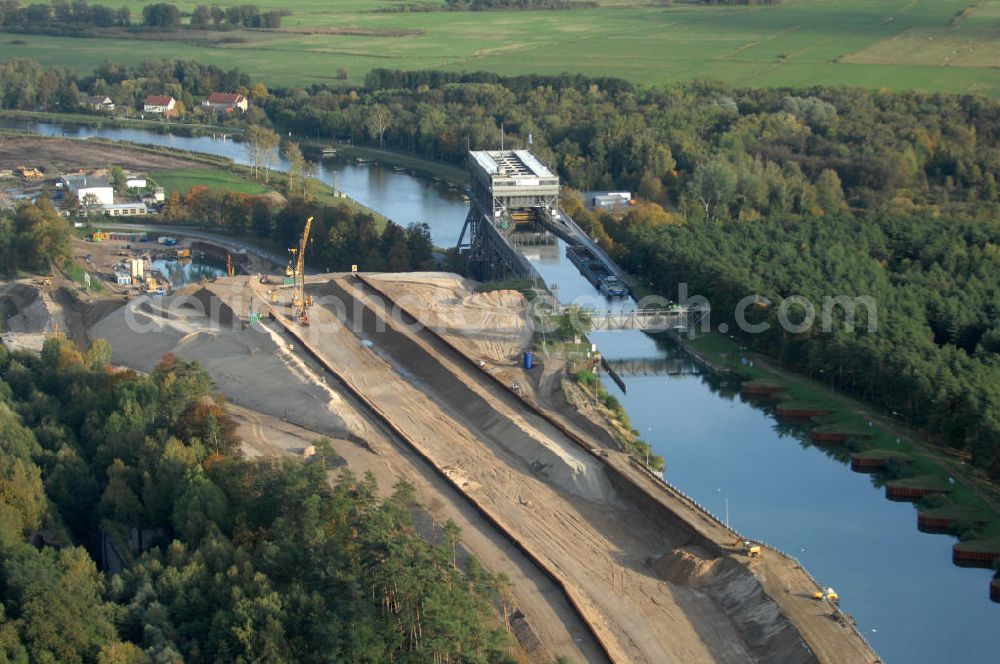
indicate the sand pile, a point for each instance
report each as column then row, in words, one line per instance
column 23, row 309
column 491, row 325
column 217, row 309
column 686, row 566
column 250, row 365
column 756, row 617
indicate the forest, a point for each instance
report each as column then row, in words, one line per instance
column 32, row 238
column 496, row 5
column 934, row 357
column 342, row 235
column 60, row 17
column 243, row 560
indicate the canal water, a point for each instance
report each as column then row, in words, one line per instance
column 399, row 196
column 899, row 584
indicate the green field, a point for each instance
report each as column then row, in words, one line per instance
column 181, row 180
column 946, row 45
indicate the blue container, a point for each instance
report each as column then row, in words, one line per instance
column 527, row 359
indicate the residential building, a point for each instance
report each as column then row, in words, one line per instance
column 161, row 105
column 99, row 103
column 83, row 186
column 158, row 197
column 226, row 102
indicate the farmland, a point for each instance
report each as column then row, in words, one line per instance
column 933, row 45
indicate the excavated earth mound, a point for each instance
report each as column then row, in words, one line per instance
column 23, row 309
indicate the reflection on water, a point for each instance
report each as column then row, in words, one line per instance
column 187, row 272
column 897, row 582
column 403, row 198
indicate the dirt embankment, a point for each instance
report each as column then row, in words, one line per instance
column 490, row 325
column 769, row 635
column 562, row 464
column 773, row 624
column 55, row 156
column 22, row 309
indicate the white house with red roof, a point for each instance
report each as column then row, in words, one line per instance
column 160, row 104
column 226, row 102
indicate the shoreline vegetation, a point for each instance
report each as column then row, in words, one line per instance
column 278, row 180
column 848, row 430
column 448, row 173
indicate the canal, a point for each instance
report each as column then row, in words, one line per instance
column 899, row 584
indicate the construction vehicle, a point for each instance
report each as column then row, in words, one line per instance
column 300, row 301
column 30, row 172
column 828, row 594
column 752, row 549
column 183, row 253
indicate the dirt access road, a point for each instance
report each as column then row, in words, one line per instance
column 559, row 503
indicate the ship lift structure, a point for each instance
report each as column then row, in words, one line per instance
column 509, row 190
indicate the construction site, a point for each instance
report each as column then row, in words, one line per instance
column 606, row 561
column 420, row 377
column 423, row 377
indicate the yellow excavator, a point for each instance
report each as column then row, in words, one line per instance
column 300, row 301
column 828, row 594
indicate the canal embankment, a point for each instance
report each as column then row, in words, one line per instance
column 951, row 497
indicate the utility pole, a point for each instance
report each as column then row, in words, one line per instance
column 726, row 497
